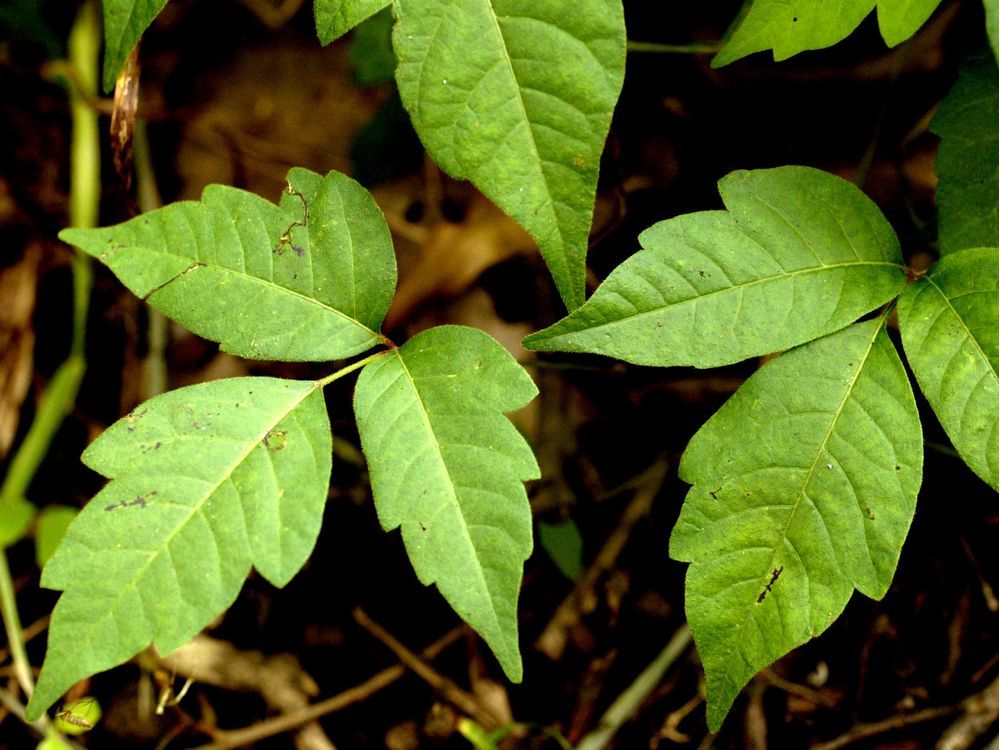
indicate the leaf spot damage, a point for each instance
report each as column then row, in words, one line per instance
column 775, row 574
column 275, row 440
column 139, row 500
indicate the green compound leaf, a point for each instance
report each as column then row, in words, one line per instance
column 124, row 23
column 805, row 483
column 334, row 18
column 798, row 254
column 517, row 96
column 792, row 26
column 448, row 468
column 967, row 160
column 267, row 282
column 205, row 482
column 948, row 320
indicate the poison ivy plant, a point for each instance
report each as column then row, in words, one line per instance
column 804, row 485
column 798, row 253
column 212, row 479
column 948, row 321
column 124, row 23
column 517, row 96
column 805, row 482
column 448, row 469
column 789, row 28
column 967, row 159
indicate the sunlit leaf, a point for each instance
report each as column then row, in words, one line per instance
column 448, row 468
column 205, row 482
column 792, row 26
column 309, row 280
column 948, row 320
column 805, row 483
column 798, row 254
column 124, row 23
column 517, row 96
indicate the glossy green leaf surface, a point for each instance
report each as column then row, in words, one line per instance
column 205, row 482
column 948, row 320
column 799, row 253
column 307, row 281
column 517, row 96
column 967, row 159
column 789, row 27
column 448, row 468
column 124, row 23
column 334, row 18
column 804, row 486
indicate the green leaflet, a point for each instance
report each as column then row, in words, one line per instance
column 517, row 96
column 448, row 468
column 967, row 159
column 805, row 483
column 124, row 22
column 948, row 321
column 334, row 18
column 205, row 482
column 50, row 529
column 992, row 11
column 266, row 282
column 800, row 253
column 792, row 26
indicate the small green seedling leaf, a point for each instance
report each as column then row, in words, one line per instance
column 307, row 281
column 805, row 483
column 52, row 524
column 563, row 543
column 791, row 27
column 967, row 159
column 448, row 468
column 948, row 321
column 799, row 253
column 205, row 482
column 79, row 716
column 334, row 18
column 517, row 96
column 124, row 22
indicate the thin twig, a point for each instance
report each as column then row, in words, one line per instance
column 461, row 699
column 225, row 740
column 627, row 704
column 793, row 688
column 863, row 731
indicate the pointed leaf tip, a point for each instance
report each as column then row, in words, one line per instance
column 449, row 469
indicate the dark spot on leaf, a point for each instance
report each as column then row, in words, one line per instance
column 775, row 574
column 138, row 500
column 299, row 250
column 422, row 527
column 898, row 467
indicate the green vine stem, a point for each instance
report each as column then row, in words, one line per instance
column 60, row 395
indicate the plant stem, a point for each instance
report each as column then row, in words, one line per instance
column 60, row 395
column 695, row 48
column 323, row 382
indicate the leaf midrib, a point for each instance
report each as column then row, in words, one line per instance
column 425, row 417
column 862, row 361
column 195, row 264
column 725, row 290
column 194, row 509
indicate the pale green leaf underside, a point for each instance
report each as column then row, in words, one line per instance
column 798, row 254
column 334, row 18
column 266, row 282
column 805, row 483
column 792, row 26
column 124, row 23
column 517, row 96
column 948, row 320
column 967, row 160
column 205, row 482
column 448, row 468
